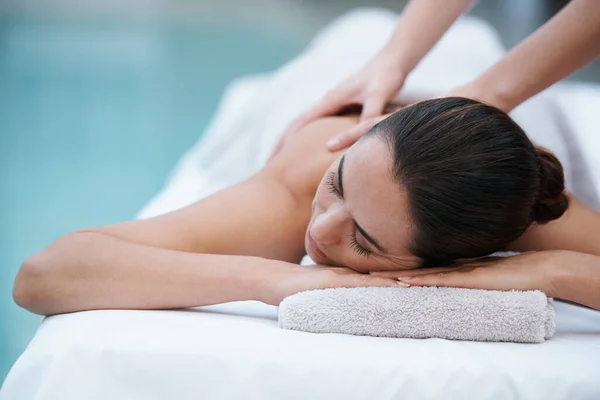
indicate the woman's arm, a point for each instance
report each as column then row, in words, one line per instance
column 564, row 274
column 91, row 270
column 577, row 230
column 158, row 263
column 564, row 44
column 576, row 277
column 214, row 251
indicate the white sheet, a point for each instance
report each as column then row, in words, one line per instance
column 235, row 350
column 580, row 103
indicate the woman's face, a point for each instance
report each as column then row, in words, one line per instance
column 360, row 216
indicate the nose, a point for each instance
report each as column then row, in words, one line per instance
column 327, row 228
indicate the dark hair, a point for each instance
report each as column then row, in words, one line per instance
column 475, row 182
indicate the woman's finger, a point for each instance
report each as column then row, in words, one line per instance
column 373, row 281
column 412, row 272
column 344, row 277
column 461, row 279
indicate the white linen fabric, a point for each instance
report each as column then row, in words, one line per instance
column 236, row 350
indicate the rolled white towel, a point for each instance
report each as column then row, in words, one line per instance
column 423, row 312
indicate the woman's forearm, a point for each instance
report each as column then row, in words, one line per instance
column 576, row 277
column 567, row 42
column 91, row 270
column 421, row 25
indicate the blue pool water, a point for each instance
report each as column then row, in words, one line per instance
column 92, row 117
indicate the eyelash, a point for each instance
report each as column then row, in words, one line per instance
column 353, row 242
column 357, row 247
column 331, row 183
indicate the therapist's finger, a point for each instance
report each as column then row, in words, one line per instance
column 374, row 105
column 330, row 105
column 350, row 136
column 277, row 148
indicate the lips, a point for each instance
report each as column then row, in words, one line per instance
column 314, row 247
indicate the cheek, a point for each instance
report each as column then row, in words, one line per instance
column 362, row 264
column 375, row 263
column 322, row 189
column 323, row 197
column 346, row 256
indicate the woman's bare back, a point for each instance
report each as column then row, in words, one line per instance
column 265, row 215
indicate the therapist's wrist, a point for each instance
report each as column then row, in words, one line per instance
column 493, row 91
column 398, row 58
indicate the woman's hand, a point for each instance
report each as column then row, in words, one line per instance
column 280, row 280
column 530, row 271
column 373, row 87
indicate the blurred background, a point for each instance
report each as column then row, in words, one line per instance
column 98, row 99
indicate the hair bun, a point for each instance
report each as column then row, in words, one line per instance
column 552, row 201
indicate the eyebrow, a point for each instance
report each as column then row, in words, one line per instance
column 369, row 238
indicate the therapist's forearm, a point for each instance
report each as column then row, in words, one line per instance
column 90, row 270
column 576, row 278
column 567, row 42
column 421, row 25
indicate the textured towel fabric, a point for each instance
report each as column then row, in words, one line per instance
column 423, row 312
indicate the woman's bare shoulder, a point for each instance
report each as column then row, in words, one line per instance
column 304, row 157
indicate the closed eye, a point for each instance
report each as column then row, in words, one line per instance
column 331, row 184
column 360, row 250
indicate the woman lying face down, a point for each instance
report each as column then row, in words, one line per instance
column 439, row 181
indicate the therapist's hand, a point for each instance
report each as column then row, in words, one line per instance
column 373, row 86
column 281, row 280
column 349, row 137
